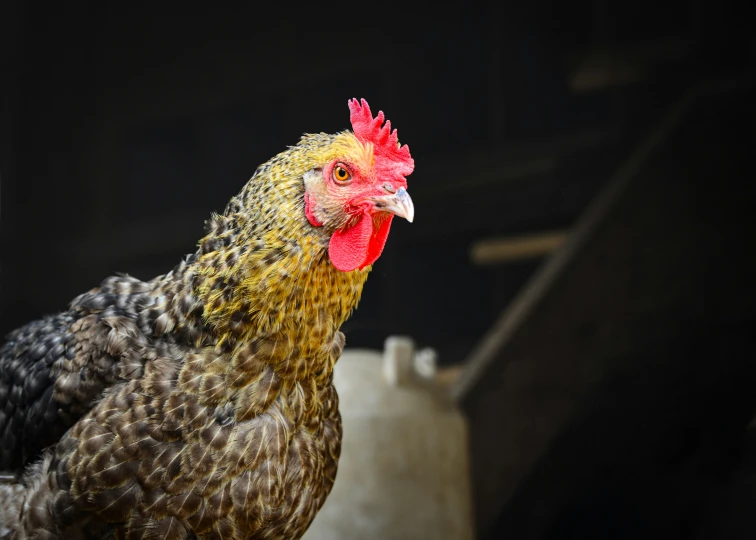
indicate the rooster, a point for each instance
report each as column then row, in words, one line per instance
column 200, row 404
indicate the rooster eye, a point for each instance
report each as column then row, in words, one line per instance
column 341, row 174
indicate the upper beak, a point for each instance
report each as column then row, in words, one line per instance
column 399, row 204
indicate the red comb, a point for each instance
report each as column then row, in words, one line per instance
column 391, row 156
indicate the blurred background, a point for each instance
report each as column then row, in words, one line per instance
column 582, row 254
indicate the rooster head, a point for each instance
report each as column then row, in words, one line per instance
column 357, row 187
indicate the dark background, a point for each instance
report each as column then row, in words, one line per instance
column 123, row 127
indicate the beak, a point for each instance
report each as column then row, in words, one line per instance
column 399, row 204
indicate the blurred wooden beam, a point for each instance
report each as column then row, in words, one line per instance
column 447, row 376
column 521, row 307
column 499, row 250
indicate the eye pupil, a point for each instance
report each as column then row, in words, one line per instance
column 341, row 173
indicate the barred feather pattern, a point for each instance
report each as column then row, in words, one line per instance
column 196, row 405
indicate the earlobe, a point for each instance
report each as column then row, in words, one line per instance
column 310, row 211
column 311, row 179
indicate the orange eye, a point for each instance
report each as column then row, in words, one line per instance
column 341, row 174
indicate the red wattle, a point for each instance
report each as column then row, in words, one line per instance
column 378, row 241
column 360, row 245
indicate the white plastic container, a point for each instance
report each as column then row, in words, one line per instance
column 404, row 467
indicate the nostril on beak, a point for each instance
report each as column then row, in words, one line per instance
column 398, row 203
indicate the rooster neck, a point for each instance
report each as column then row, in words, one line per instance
column 273, row 286
column 279, row 284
